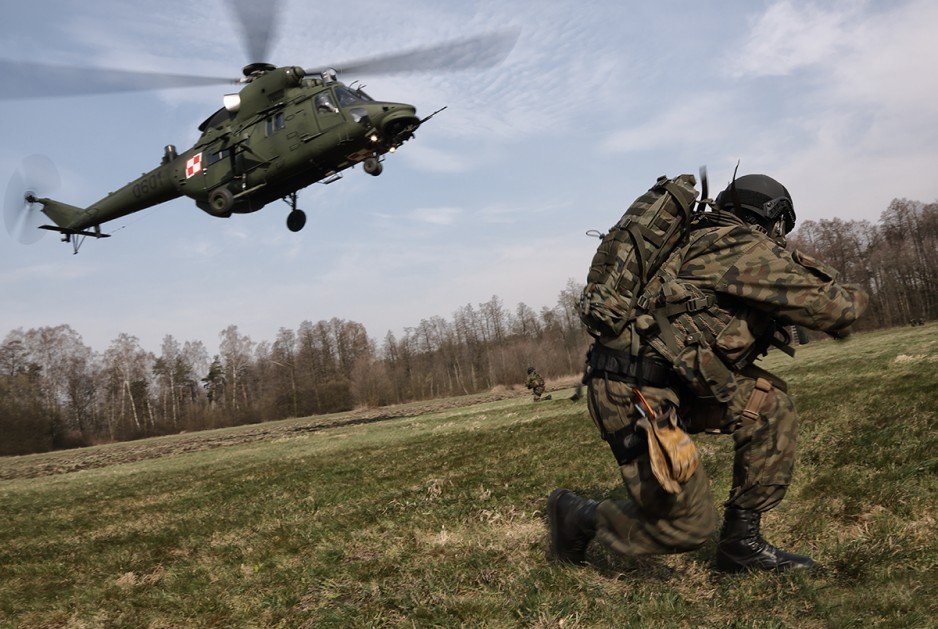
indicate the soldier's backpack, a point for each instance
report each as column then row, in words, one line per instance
column 632, row 251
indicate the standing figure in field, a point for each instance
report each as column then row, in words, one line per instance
column 683, row 362
column 536, row 383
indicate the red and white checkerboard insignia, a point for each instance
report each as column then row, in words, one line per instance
column 194, row 165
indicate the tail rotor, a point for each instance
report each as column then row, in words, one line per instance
column 22, row 211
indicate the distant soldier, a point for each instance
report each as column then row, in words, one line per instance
column 536, row 383
column 715, row 305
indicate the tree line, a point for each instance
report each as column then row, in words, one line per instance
column 57, row 392
column 894, row 260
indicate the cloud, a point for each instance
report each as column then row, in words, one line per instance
column 509, row 213
column 863, row 132
column 792, row 35
column 884, row 57
column 46, row 273
column 423, row 157
column 698, row 120
column 434, row 216
column 201, row 248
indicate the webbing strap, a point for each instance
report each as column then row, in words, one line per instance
column 666, row 331
column 757, row 399
column 782, row 345
column 678, row 193
column 691, row 305
column 649, row 234
column 634, row 230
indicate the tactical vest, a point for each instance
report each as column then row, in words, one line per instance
column 701, row 342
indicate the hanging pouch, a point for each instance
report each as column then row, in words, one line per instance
column 673, row 455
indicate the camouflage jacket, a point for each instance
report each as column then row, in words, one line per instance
column 534, row 380
column 716, row 301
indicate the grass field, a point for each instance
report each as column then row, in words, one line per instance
column 436, row 518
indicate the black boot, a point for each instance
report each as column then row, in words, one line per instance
column 741, row 546
column 572, row 523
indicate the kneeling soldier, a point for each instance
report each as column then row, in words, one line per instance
column 715, row 305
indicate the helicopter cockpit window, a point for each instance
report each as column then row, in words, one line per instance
column 346, row 97
column 275, row 123
column 324, row 103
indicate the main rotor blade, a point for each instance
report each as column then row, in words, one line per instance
column 27, row 79
column 258, row 23
column 472, row 52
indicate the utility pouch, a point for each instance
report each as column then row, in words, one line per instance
column 673, row 455
column 704, row 372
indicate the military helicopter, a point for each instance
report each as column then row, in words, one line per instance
column 287, row 128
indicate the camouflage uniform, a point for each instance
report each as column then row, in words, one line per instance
column 536, row 383
column 718, row 299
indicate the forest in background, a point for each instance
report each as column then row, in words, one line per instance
column 56, row 392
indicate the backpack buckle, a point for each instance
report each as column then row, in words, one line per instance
column 699, row 303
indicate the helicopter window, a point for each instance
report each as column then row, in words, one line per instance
column 275, row 123
column 324, row 103
column 346, row 97
column 217, row 156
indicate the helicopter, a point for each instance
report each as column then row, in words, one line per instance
column 285, row 129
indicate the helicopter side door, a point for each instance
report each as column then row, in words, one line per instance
column 327, row 113
column 333, row 130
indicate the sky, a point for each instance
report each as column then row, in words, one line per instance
column 494, row 196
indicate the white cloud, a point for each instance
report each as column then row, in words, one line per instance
column 434, row 216
column 509, row 213
column 791, row 35
column 201, row 248
column 48, row 272
column 426, row 158
column 692, row 121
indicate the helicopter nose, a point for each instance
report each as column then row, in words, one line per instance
column 398, row 122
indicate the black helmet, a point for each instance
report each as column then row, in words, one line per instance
column 530, row 369
column 761, row 198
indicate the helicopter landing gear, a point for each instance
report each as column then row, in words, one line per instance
column 220, row 202
column 296, row 220
column 372, row 166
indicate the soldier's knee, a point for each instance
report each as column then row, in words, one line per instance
column 697, row 530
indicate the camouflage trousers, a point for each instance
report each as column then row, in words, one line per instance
column 654, row 521
column 538, row 392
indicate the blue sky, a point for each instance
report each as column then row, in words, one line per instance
column 838, row 100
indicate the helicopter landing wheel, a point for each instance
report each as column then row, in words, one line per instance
column 220, row 202
column 373, row 166
column 296, row 220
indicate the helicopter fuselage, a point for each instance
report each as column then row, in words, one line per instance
column 282, row 132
